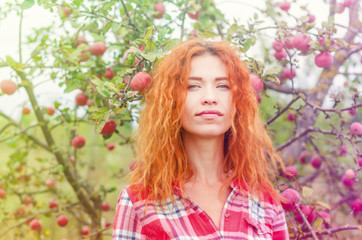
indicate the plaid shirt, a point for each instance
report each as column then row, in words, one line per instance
column 242, row 218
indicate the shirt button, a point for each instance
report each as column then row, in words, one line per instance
column 227, row 215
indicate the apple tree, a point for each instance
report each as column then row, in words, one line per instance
column 102, row 51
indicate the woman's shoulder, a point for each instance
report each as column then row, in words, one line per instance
column 134, row 193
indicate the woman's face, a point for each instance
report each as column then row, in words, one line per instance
column 208, row 105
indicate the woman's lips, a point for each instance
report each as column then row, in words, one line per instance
column 209, row 114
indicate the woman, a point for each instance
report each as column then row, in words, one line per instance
column 205, row 156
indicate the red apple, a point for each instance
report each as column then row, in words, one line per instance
column 311, row 18
column 53, row 204
column 65, row 10
column 258, row 98
column 339, row 7
column 326, row 218
column 107, row 224
column 35, row 225
column 2, row 193
column 111, row 146
column 304, row 157
column 27, row 200
column 343, row 150
column 109, row 73
column 78, row 142
column 323, row 59
column 308, row 212
column 62, row 221
column 348, row 3
column 359, row 161
column 8, row 87
column 291, row 117
column 257, row 83
column 281, row 55
column 316, row 162
column 350, row 174
column 194, row 16
column 348, row 182
column 288, row 74
column 278, row 45
column 356, row 128
column 90, row 102
column 50, row 183
column 193, row 33
column 72, row 160
column 85, row 230
column 356, row 206
column 140, row 81
column 290, row 172
column 81, row 99
column 106, row 207
column 288, row 41
column 301, row 42
column 84, row 54
column 80, row 40
column 292, row 199
column 25, row 110
column 352, row 112
column 19, row 168
column 160, row 10
column 50, row 111
column 109, row 127
column 98, row 48
column 284, row 6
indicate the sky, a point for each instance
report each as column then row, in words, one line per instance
column 48, row 92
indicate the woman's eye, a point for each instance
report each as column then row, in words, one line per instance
column 191, row 86
column 224, row 86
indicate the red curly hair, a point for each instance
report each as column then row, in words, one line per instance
column 248, row 149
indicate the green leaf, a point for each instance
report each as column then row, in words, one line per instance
column 149, row 56
column 171, row 43
column 116, row 26
column 272, row 71
column 104, row 92
column 27, row 4
column 110, row 86
column 247, row 44
column 10, row 61
column 131, row 58
column 150, row 45
column 317, row 223
column 322, row 204
column 233, row 28
column 98, row 114
column 307, row 192
column 77, row 2
column 148, row 33
column 107, row 27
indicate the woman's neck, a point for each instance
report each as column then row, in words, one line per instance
column 206, row 155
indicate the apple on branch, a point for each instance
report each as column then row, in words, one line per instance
column 78, row 142
column 292, row 199
column 8, row 87
column 160, row 10
column 109, row 128
column 140, row 81
column 98, row 48
column 62, row 221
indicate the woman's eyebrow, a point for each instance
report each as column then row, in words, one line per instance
column 200, row 78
